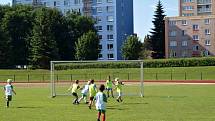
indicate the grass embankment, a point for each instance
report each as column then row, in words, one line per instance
column 174, row 73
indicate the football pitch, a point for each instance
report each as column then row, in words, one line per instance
column 162, row 102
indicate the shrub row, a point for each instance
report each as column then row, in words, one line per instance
column 158, row 63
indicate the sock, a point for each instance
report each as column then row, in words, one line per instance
column 99, row 114
column 7, row 103
column 103, row 117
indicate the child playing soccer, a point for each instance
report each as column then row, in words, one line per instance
column 119, row 89
column 84, row 92
column 109, row 86
column 92, row 92
column 74, row 89
column 101, row 101
column 8, row 89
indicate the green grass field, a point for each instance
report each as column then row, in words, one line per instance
column 175, row 73
column 161, row 103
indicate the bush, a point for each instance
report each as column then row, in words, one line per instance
column 158, row 63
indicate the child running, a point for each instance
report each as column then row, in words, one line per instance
column 8, row 89
column 109, row 86
column 74, row 89
column 101, row 101
column 84, row 92
column 119, row 89
column 92, row 92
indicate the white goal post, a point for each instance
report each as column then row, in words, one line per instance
column 54, row 79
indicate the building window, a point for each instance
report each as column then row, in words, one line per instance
column 195, row 48
column 195, row 27
column 110, row 56
column 100, row 56
column 187, row 1
column 99, row 9
column 207, row 42
column 109, row 9
column 109, row 1
column 207, row 32
column 98, row 1
column 99, row 28
column 184, row 43
column 184, row 53
column 110, row 46
column 100, row 47
column 55, row 3
column 109, row 27
column 187, row 8
column 195, row 37
column 110, row 37
column 171, row 23
column 172, row 54
column 77, row 2
column 173, row 43
column 172, row 33
column 66, row 3
column 184, row 22
column 206, row 53
column 187, row 14
column 207, row 21
column 183, row 32
column 110, row 18
column 98, row 19
column 100, row 37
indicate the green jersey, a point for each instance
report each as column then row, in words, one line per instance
column 109, row 84
column 119, row 87
column 92, row 90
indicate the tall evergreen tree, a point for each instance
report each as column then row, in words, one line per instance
column 158, row 32
column 43, row 44
column 87, row 47
column 131, row 48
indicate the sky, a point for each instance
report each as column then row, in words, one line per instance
column 143, row 13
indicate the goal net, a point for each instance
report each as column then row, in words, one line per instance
column 64, row 73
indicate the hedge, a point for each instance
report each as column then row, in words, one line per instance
column 156, row 63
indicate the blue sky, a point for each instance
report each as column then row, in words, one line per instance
column 143, row 13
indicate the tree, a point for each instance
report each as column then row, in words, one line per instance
column 131, row 48
column 158, row 33
column 87, row 47
column 146, row 48
column 73, row 27
column 17, row 25
column 43, row 44
column 5, row 51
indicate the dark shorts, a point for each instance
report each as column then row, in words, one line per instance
column 109, row 89
column 91, row 98
column 75, row 94
column 9, row 98
column 102, row 111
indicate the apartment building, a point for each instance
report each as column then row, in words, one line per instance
column 192, row 33
column 114, row 20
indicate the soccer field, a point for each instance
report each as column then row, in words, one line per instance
column 161, row 103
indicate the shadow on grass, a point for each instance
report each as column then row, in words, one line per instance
column 28, row 107
column 135, row 103
column 112, row 108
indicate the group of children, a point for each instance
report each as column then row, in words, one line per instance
column 99, row 97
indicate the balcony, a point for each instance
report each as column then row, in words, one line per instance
column 204, row 2
column 204, row 10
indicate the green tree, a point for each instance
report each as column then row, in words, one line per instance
column 87, row 46
column 74, row 26
column 131, row 48
column 158, row 32
column 17, row 25
column 5, row 50
column 43, row 44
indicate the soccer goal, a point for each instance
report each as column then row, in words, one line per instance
column 63, row 74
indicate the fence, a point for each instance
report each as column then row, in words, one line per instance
column 30, row 78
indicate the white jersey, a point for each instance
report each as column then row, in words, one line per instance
column 85, row 89
column 8, row 89
column 101, row 100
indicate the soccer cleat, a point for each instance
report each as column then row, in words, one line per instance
column 117, row 100
column 98, row 119
column 89, row 107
